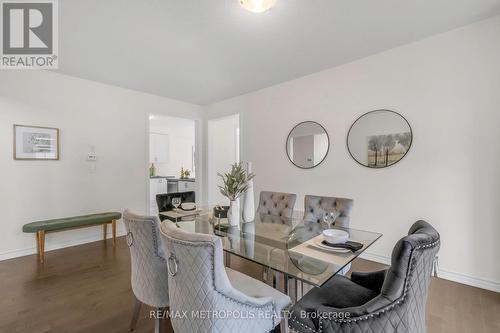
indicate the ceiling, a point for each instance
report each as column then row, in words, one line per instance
column 204, row 51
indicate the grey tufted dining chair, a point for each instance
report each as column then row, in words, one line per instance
column 276, row 203
column 388, row 301
column 316, row 206
column 149, row 267
column 198, row 282
column 275, row 206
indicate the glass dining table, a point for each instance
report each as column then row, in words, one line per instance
column 287, row 246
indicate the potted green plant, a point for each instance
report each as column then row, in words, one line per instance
column 234, row 184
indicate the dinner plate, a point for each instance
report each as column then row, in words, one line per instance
column 318, row 243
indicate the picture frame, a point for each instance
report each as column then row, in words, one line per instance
column 32, row 143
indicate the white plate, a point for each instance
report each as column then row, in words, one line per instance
column 318, row 243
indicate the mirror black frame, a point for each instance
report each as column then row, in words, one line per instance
column 354, row 123
column 288, row 138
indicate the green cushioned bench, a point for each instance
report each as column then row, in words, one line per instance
column 42, row 227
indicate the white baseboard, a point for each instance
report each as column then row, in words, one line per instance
column 469, row 280
column 444, row 274
column 376, row 258
column 58, row 245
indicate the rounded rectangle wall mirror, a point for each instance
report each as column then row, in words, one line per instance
column 379, row 138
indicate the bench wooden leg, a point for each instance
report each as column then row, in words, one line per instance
column 113, row 227
column 40, row 241
column 105, row 231
column 38, row 244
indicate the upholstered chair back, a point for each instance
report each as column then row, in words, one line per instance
column 398, row 306
column 411, row 266
column 149, row 267
column 277, row 204
column 198, row 282
column 315, row 207
column 402, row 300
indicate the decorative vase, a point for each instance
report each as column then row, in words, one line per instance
column 249, row 200
column 233, row 235
column 249, row 238
column 234, row 214
column 152, row 170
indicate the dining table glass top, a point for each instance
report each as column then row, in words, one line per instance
column 287, row 245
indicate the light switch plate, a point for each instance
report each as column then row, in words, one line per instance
column 92, row 157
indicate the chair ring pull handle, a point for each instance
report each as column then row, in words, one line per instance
column 130, row 239
column 172, row 270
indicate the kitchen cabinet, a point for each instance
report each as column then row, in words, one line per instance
column 159, row 148
column 185, row 186
column 156, row 186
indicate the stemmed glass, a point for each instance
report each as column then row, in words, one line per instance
column 330, row 217
column 176, row 202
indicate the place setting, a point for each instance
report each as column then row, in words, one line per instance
column 332, row 244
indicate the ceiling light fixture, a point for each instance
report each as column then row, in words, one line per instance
column 257, row 6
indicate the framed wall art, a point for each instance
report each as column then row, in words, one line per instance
column 36, row 143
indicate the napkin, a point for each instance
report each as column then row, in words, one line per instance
column 350, row 245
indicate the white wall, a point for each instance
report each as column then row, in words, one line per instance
column 113, row 120
column 448, row 87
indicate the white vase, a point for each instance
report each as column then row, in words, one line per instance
column 234, row 213
column 249, row 200
column 249, row 238
column 234, row 237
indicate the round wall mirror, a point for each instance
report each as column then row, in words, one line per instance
column 307, row 144
column 379, row 138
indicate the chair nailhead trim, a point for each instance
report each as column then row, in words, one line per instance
column 405, row 290
column 305, row 326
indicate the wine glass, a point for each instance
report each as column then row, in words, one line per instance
column 330, row 217
column 176, row 202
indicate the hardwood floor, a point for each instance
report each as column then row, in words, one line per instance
column 86, row 288
column 79, row 289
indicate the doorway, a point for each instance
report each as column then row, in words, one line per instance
column 223, row 150
column 172, row 157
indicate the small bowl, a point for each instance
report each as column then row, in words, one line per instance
column 334, row 236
